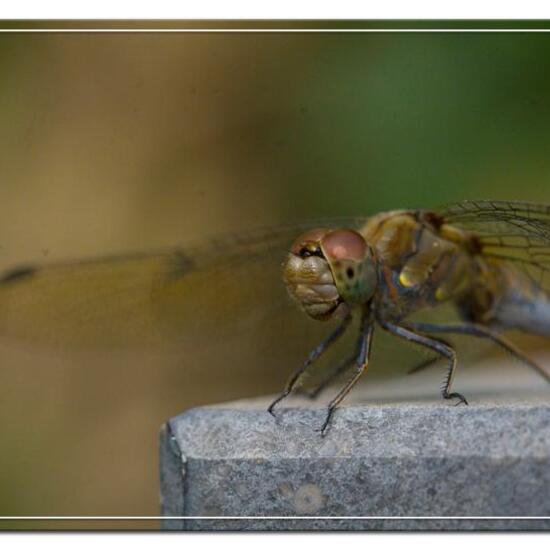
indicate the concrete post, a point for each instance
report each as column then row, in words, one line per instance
column 392, row 461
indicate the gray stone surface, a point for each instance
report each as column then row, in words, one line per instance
column 404, row 459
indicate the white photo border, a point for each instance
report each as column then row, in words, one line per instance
column 133, row 27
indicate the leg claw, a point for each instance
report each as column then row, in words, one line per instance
column 326, row 424
column 278, row 400
column 459, row 396
column 271, row 407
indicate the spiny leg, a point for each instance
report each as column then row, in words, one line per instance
column 481, row 331
column 439, row 346
column 367, row 329
column 427, row 362
column 342, row 367
column 313, row 356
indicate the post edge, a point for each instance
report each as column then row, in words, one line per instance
column 172, row 479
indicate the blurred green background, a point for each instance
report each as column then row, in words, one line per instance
column 117, row 142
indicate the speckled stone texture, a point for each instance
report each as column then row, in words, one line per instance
column 421, row 458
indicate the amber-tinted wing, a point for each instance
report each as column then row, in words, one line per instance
column 160, row 300
column 518, row 232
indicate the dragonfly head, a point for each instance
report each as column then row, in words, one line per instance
column 330, row 269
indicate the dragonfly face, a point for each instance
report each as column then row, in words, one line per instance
column 328, row 270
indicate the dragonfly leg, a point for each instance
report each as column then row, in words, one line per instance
column 439, row 346
column 481, row 331
column 313, row 356
column 334, row 373
column 427, row 362
column 360, row 367
column 342, row 367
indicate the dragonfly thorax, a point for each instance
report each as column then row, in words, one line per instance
column 326, row 270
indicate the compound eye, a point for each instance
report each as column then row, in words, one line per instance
column 308, row 244
column 344, row 244
column 310, row 250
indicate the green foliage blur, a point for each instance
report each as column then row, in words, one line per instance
column 118, row 142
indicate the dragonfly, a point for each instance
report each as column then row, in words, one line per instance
column 490, row 260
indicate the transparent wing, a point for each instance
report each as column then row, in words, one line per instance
column 161, row 300
column 518, row 232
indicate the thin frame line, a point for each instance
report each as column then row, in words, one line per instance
column 214, row 518
column 267, row 30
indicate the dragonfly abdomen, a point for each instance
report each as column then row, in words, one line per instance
column 505, row 297
column 526, row 312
